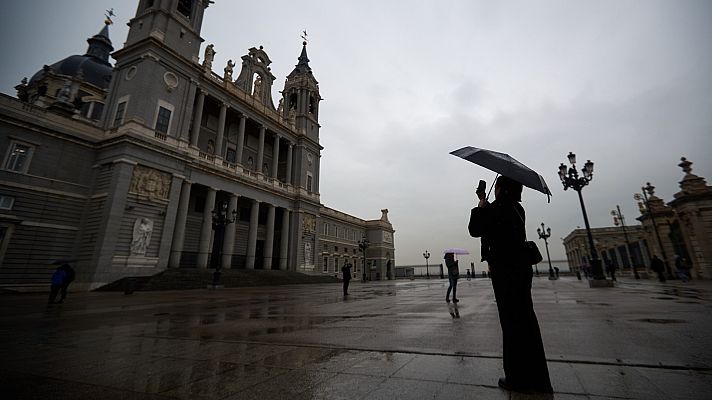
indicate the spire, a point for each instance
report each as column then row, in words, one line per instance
column 303, row 66
column 100, row 45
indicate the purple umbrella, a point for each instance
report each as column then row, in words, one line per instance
column 456, row 250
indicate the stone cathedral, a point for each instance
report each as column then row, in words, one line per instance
column 121, row 168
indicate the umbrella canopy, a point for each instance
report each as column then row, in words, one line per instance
column 506, row 165
column 456, row 250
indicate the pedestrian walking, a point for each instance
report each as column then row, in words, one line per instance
column 56, row 284
column 683, row 268
column 468, row 275
column 69, row 275
column 657, row 265
column 346, row 274
column 453, row 274
column 501, row 225
column 611, row 269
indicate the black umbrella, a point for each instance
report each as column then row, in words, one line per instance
column 506, row 165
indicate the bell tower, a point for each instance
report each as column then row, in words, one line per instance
column 153, row 83
column 176, row 23
column 300, row 98
column 300, row 105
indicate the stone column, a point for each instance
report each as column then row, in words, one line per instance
column 207, row 229
column 221, row 130
column 275, row 156
column 252, row 235
column 169, row 220
column 179, row 232
column 261, row 150
column 195, row 132
column 240, row 139
column 113, row 214
column 284, row 241
column 229, row 240
column 269, row 239
column 184, row 126
column 288, row 179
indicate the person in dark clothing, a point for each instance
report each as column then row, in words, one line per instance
column 501, row 226
column 346, row 274
column 657, row 265
column 453, row 274
column 68, row 278
column 56, row 283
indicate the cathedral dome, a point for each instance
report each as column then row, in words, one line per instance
column 93, row 67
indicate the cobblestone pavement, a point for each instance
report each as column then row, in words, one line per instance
column 387, row 340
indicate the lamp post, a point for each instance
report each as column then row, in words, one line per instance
column 362, row 246
column 427, row 270
column 619, row 219
column 570, row 179
column 545, row 234
column 649, row 189
column 220, row 220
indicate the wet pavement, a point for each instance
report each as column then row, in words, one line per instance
column 387, row 340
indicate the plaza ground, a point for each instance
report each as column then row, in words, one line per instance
column 387, row 340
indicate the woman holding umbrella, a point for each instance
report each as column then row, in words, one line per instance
column 500, row 224
column 453, row 274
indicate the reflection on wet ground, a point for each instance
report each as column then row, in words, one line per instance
column 387, row 340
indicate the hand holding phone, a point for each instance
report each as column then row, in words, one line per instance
column 481, row 187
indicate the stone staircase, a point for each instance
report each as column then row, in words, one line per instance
column 191, row 278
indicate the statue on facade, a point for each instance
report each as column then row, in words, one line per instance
column 228, row 71
column 208, row 58
column 308, row 259
column 257, row 88
column 65, row 92
column 143, row 227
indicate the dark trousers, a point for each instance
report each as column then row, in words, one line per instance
column 346, row 286
column 523, row 351
column 63, row 292
column 661, row 275
column 54, row 289
column 453, row 287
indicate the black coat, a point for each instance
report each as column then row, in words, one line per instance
column 501, row 227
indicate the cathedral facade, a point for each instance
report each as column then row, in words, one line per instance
column 158, row 162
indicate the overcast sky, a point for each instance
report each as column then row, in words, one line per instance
column 626, row 84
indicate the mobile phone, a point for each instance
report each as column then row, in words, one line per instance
column 481, row 187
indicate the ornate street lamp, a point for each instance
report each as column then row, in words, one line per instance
column 618, row 219
column 220, row 220
column 545, row 234
column 427, row 255
column 362, row 246
column 570, row 179
column 650, row 189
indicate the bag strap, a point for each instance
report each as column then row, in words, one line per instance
column 521, row 219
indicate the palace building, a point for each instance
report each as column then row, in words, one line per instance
column 121, row 169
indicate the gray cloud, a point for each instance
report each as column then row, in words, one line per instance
column 625, row 84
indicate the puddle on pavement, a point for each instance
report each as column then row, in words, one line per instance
column 687, row 293
column 660, row 321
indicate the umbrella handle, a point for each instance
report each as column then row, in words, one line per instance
column 492, row 187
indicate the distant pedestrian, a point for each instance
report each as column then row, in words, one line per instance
column 56, row 283
column 453, row 274
column 556, row 272
column 683, row 268
column 469, row 277
column 657, row 265
column 68, row 278
column 611, row 269
column 346, row 274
